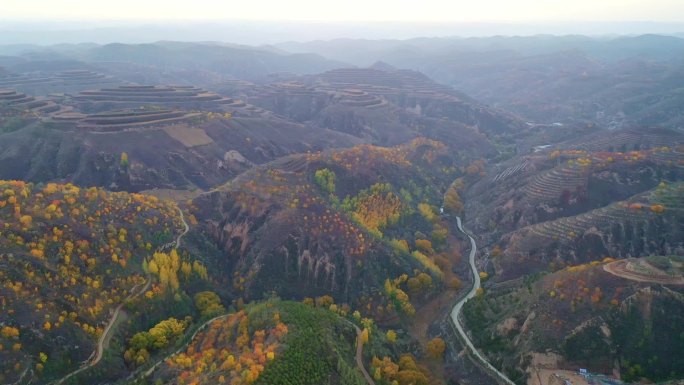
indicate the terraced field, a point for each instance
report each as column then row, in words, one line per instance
column 649, row 216
column 19, row 80
column 133, row 96
column 358, row 98
column 352, row 76
column 403, row 88
column 641, row 271
column 414, row 91
column 131, row 119
column 61, row 82
column 24, row 103
column 84, row 77
column 512, row 171
column 548, row 186
column 379, row 81
column 290, row 88
column 567, row 229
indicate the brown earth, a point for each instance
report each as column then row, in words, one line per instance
column 624, row 269
column 189, row 136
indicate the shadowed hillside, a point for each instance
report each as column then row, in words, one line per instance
column 164, row 149
column 319, row 223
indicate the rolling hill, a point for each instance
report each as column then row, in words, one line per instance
column 69, row 257
column 319, row 224
column 586, row 316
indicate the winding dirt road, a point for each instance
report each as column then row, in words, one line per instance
column 458, row 308
column 187, row 228
column 106, row 336
column 359, row 354
column 23, row 374
column 151, row 370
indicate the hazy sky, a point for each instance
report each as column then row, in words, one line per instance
column 349, row 10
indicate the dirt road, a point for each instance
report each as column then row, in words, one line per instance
column 359, row 355
column 103, row 341
column 458, row 308
column 647, row 272
column 106, row 335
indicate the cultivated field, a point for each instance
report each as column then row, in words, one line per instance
column 189, row 136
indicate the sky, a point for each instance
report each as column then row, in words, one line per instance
column 258, row 22
column 348, row 10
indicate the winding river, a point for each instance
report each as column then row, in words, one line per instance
column 458, row 308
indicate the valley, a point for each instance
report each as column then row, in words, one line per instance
column 458, row 308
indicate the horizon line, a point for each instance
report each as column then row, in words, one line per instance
column 340, row 21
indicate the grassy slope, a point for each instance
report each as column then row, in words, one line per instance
column 309, row 345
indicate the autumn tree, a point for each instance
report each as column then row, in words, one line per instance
column 427, row 212
column 158, row 337
column 657, row 208
column 124, row 160
column 452, row 201
column 325, row 179
column 436, row 347
column 398, row 299
column 391, row 336
column 455, row 284
column 209, row 304
column 74, row 242
column 324, row 301
column 409, row 373
column 374, row 208
column 425, row 246
column 439, row 234
column 365, row 333
column 10, row 332
column 399, row 246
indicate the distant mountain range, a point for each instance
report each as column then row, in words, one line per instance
column 618, row 81
column 46, row 32
column 237, row 61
